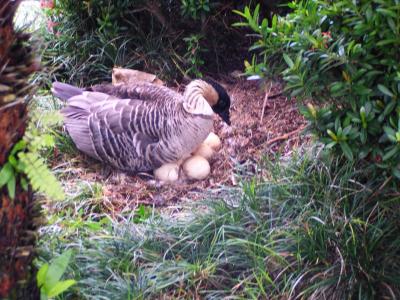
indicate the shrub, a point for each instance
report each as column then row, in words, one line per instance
column 170, row 38
column 345, row 56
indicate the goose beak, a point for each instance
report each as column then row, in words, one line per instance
column 225, row 117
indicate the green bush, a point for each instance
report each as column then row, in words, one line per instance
column 345, row 56
column 170, row 38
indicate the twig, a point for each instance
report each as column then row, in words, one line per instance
column 264, row 103
column 380, row 188
column 285, row 136
column 389, row 289
column 154, row 9
column 275, row 95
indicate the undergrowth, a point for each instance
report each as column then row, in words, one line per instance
column 172, row 39
column 315, row 229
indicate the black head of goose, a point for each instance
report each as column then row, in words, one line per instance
column 143, row 126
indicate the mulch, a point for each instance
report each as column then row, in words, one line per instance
column 244, row 143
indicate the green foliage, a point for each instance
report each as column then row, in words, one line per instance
column 25, row 159
column 316, row 229
column 86, row 39
column 81, row 223
column 193, row 55
column 7, row 177
column 142, row 213
column 195, row 8
column 40, row 177
column 83, row 211
column 48, row 277
column 344, row 56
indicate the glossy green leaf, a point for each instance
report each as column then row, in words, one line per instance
column 41, row 274
column 363, row 153
column 43, row 295
column 392, row 25
column 363, row 136
column 57, row 268
column 24, row 184
column 11, row 186
column 389, row 154
column 6, row 173
column 346, row 150
column 296, row 92
column 60, row 287
column 238, row 12
column 385, row 90
column 288, row 60
column 390, row 133
column 389, row 107
column 387, row 42
column 21, row 145
column 396, row 172
column 387, row 12
column 336, row 87
column 347, row 130
column 331, row 145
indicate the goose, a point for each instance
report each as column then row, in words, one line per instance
column 140, row 127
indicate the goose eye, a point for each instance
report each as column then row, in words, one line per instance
column 223, row 104
column 220, row 106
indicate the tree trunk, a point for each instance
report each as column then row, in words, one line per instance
column 18, row 216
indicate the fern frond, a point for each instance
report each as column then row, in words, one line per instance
column 40, row 176
column 41, row 142
column 50, row 119
column 40, row 124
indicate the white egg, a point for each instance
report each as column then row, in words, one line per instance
column 168, row 172
column 196, row 167
column 205, row 151
column 213, row 141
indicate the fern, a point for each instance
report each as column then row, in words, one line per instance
column 25, row 158
column 39, row 136
column 40, row 177
column 40, row 125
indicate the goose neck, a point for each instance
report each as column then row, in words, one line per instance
column 195, row 100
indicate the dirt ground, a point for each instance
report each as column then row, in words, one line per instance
column 249, row 138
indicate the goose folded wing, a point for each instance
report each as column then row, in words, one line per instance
column 140, row 91
column 76, row 115
column 122, row 133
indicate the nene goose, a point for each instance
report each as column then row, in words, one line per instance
column 143, row 126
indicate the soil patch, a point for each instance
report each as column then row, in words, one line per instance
column 243, row 144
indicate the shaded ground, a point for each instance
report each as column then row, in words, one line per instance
column 244, row 143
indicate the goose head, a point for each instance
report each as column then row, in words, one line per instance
column 207, row 97
column 219, row 100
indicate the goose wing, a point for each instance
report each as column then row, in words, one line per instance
column 122, row 132
column 140, row 91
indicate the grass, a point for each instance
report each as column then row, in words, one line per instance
column 314, row 229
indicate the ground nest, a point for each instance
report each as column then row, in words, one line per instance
column 250, row 137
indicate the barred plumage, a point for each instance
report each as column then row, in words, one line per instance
column 140, row 127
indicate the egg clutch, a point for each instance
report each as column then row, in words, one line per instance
column 195, row 167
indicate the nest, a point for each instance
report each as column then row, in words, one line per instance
column 261, row 126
